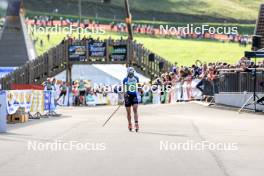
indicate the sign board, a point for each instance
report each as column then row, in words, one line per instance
column 118, row 53
column 97, row 49
column 254, row 54
column 77, row 53
column 3, row 112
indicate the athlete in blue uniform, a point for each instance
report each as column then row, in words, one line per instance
column 130, row 95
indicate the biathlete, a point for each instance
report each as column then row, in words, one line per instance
column 82, row 92
column 63, row 93
column 130, row 97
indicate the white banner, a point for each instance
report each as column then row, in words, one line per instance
column 37, row 101
column 186, row 91
column 18, row 98
column 91, row 100
column 100, row 99
column 113, row 99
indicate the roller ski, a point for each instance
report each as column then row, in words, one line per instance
column 136, row 127
column 130, row 128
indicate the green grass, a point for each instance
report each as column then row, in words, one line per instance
column 185, row 52
column 240, row 13
column 237, row 9
column 242, row 28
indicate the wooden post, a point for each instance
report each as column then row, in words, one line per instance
column 129, row 56
column 128, row 21
column 107, row 59
column 29, row 76
column 87, row 53
column 69, row 79
column 69, row 74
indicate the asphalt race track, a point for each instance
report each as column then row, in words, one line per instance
column 113, row 151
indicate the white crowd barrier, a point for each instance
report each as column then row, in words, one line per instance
column 39, row 101
column 186, row 91
column 180, row 92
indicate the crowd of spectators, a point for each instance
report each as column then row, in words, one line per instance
column 204, row 73
column 199, row 81
column 145, row 29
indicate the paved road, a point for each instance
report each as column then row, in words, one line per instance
column 137, row 154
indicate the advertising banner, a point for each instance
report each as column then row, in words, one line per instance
column 3, row 112
column 26, row 87
column 49, row 100
column 100, row 99
column 37, row 101
column 18, row 99
column 118, row 53
column 77, row 53
column 97, row 49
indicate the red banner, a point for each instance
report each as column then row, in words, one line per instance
column 26, row 87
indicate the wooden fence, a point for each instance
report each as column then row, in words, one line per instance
column 57, row 59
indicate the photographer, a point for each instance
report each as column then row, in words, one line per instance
column 212, row 77
column 203, row 77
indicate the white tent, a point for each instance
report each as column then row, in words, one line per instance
column 100, row 74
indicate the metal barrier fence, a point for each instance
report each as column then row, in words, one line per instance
column 211, row 87
column 237, row 82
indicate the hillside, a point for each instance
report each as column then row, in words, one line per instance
column 231, row 11
column 184, row 52
column 236, row 9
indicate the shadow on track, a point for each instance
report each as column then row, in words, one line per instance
column 163, row 134
column 34, row 122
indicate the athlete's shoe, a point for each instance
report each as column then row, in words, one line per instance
column 130, row 127
column 136, row 127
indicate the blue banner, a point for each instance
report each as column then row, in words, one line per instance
column 49, row 101
column 3, row 112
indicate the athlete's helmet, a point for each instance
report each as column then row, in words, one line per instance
column 130, row 72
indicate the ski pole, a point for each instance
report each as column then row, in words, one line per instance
column 112, row 115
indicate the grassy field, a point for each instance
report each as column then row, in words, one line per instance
column 237, row 9
column 246, row 29
column 228, row 9
column 185, row 52
column 239, row 13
